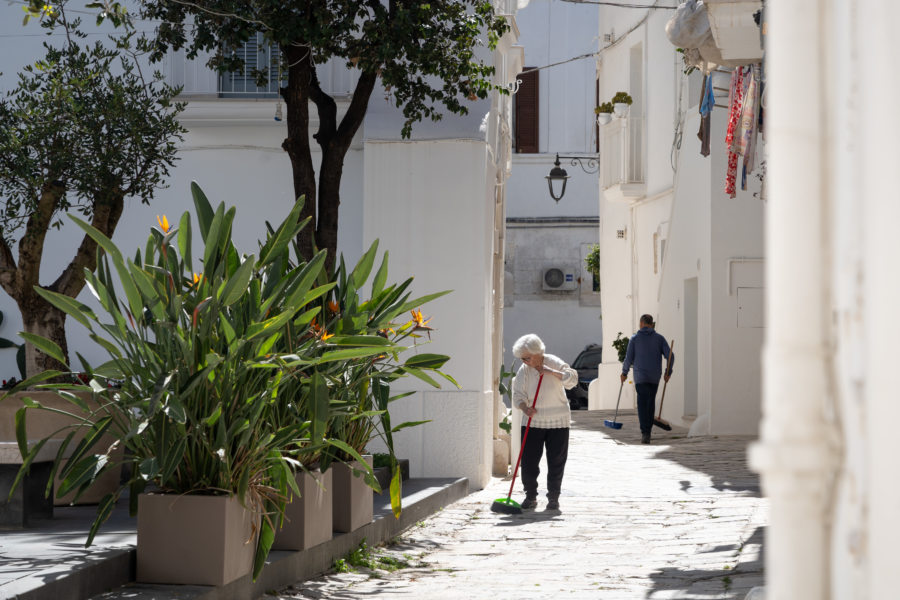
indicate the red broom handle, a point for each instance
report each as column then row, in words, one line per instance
column 525, row 437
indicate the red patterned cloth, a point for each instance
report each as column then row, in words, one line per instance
column 735, row 102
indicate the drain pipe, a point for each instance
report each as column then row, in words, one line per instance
column 797, row 454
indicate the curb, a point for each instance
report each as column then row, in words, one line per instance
column 116, row 568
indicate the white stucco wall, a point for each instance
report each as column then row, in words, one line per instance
column 710, row 239
column 437, row 226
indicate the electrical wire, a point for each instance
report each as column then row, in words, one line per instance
column 620, row 4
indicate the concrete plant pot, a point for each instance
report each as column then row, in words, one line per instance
column 620, row 109
column 194, row 540
column 41, row 423
column 352, row 500
column 604, row 118
column 307, row 518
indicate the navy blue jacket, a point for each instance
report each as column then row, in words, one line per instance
column 646, row 351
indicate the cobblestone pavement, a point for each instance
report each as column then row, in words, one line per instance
column 680, row 518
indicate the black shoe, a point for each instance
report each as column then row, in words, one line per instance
column 645, row 438
column 553, row 505
column 529, row 502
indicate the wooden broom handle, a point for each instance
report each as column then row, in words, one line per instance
column 665, row 383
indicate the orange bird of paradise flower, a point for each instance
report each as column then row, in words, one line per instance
column 163, row 223
column 420, row 321
column 333, row 306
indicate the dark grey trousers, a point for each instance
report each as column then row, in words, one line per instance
column 557, row 444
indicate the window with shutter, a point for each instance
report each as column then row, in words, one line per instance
column 258, row 54
column 525, row 113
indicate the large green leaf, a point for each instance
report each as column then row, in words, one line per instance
column 362, row 269
column 236, row 285
column 46, row 346
column 277, row 244
column 204, row 210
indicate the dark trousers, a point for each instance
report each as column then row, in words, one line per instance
column 646, row 401
column 557, row 443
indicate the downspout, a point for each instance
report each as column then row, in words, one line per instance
column 797, row 454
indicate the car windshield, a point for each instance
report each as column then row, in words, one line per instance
column 587, row 359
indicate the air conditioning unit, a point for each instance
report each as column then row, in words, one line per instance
column 559, row 279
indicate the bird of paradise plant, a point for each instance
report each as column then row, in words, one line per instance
column 200, row 408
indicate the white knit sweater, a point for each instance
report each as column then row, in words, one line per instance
column 552, row 404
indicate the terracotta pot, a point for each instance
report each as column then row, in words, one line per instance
column 194, row 540
column 307, row 518
column 41, row 423
column 352, row 498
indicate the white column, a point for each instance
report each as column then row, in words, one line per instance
column 797, row 455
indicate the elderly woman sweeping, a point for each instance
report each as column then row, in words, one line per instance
column 539, row 392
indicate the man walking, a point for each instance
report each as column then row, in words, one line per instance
column 646, row 349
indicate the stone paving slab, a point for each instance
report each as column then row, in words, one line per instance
column 679, row 518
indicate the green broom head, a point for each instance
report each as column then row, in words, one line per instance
column 507, row 506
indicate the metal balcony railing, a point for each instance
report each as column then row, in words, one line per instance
column 622, row 152
column 196, row 79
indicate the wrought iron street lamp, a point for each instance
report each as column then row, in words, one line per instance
column 557, row 178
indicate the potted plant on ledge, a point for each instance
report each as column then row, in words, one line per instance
column 604, row 113
column 621, row 101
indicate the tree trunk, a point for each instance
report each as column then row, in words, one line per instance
column 41, row 318
column 296, row 99
column 329, row 203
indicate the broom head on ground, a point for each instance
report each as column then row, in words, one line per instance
column 506, row 506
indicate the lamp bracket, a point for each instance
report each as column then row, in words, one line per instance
column 591, row 162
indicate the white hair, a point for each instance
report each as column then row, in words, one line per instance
column 528, row 343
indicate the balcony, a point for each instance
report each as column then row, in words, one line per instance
column 622, row 157
column 199, row 81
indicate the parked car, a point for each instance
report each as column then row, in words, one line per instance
column 586, row 364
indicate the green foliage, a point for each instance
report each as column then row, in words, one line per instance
column 605, row 107
column 592, row 261
column 83, row 116
column 363, row 556
column 621, row 346
column 82, row 130
column 506, row 391
column 230, row 382
column 424, row 52
column 622, row 97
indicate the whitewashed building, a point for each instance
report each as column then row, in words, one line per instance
column 830, row 407
column 673, row 243
column 548, row 291
column 435, row 201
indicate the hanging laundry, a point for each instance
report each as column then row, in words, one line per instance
column 735, row 103
column 706, row 107
column 750, row 124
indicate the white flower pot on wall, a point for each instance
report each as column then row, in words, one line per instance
column 604, row 118
column 620, row 109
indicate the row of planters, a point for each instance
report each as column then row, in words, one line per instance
column 247, row 390
column 618, row 106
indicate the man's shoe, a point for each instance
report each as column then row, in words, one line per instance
column 645, row 438
column 529, row 502
column 553, row 505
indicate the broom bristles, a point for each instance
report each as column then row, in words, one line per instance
column 662, row 424
column 506, row 506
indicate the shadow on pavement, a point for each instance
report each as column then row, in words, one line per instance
column 722, row 458
column 724, row 582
